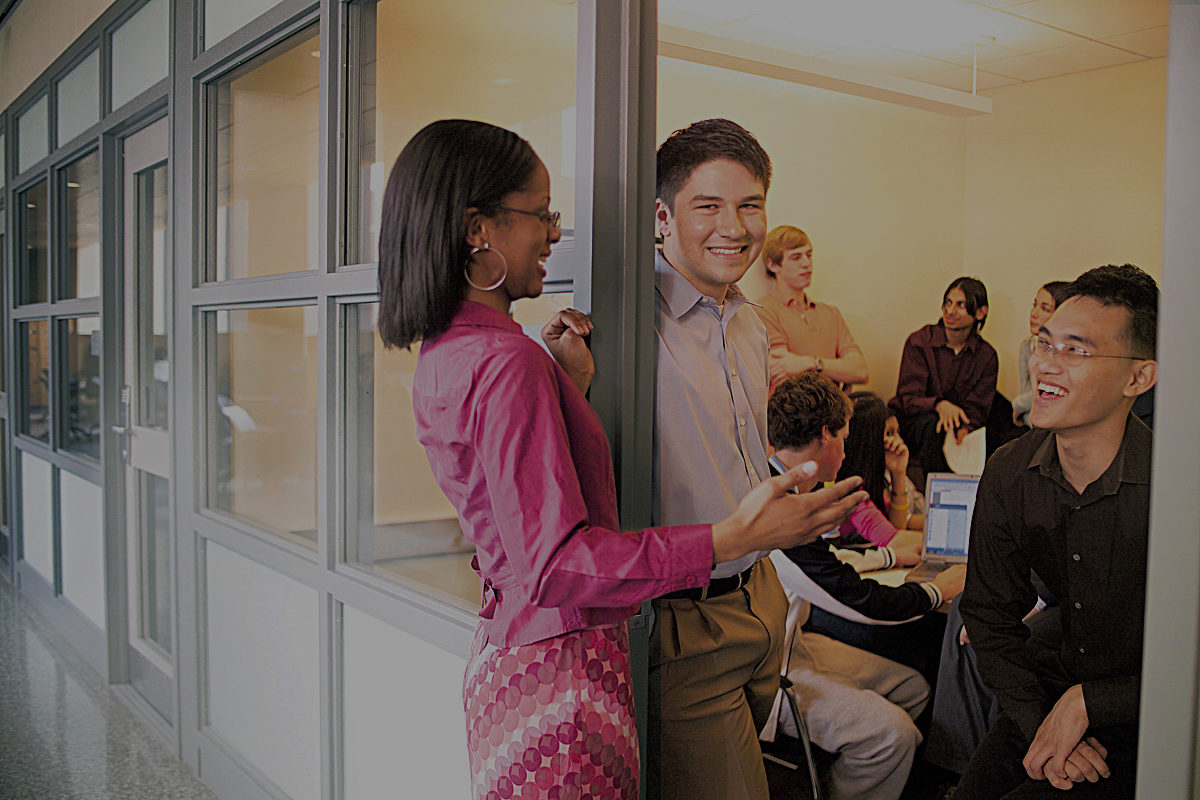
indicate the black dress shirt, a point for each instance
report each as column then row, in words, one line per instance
column 1090, row 549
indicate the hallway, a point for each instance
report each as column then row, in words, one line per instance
column 63, row 734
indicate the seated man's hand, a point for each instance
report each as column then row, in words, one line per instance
column 1056, row 739
column 950, row 416
column 1086, row 761
column 950, row 581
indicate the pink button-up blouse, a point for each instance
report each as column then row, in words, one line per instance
column 523, row 458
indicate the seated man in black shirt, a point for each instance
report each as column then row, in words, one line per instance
column 1070, row 501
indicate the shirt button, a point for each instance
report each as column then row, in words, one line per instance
column 733, row 372
column 1082, row 651
column 1078, row 605
column 691, row 580
column 742, row 422
column 1075, row 556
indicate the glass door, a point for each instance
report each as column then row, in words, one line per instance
column 144, row 420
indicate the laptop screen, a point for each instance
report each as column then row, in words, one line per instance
column 950, row 503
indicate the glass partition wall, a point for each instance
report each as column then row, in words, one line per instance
column 218, row 480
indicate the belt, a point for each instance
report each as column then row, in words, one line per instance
column 715, row 588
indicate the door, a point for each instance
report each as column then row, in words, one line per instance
column 144, row 421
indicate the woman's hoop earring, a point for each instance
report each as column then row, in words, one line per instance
column 467, row 269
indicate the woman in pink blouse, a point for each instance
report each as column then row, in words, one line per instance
column 875, row 451
column 518, row 451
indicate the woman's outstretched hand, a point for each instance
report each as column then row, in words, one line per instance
column 563, row 336
column 772, row 516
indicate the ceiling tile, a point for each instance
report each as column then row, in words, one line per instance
column 700, row 15
column 1021, row 35
column 960, row 78
column 885, row 59
column 962, row 54
column 1089, row 55
column 1151, row 43
column 1027, row 67
column 1098, row 19
column 793, row 30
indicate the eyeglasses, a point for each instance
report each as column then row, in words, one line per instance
column 551, row 218
column 1069, row 353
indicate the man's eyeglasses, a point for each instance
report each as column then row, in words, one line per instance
column 1070, row 354
column 551, row 218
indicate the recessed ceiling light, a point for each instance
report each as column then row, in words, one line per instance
column 72, row 185
column 504, row 81
column 315, row 53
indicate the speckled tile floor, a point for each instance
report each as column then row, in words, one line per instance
column 63, row 734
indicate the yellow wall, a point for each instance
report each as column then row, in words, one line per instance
column 35, row 34
column 1064, row 175
column 878, row 187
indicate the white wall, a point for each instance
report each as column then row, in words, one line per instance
column 37, row 515
column 83, row 545
column 1065, row 175
column 262, row 667
column 403, row 714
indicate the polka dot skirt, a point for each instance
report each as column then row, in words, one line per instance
column 553, row 719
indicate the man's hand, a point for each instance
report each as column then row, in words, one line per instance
column 771, row 516
column 950, row 417
column 1086, row 761
column 1056, row 740
column 563, row 336
column 950, row 581
column 783, row 362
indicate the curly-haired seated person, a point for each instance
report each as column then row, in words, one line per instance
column 855, row 704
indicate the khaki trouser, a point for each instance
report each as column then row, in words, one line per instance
column 716, row 665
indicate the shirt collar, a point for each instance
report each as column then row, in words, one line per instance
column 790, row 301
column 777, row 466
column 472, row 313
column 938, row 337
column 1130, row 465
column 679, row 294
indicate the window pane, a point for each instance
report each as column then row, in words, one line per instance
column 511, row 64
column 223, row 17
column 263, row 424
column 139, row 52
column 79, row 98
column 33, row 208
column 83, row 386
column 35, row 337
column 399, row 522
column 33, row 135
column 154, row 567
column 81, row 273
column 266, row 195
column 153, row 333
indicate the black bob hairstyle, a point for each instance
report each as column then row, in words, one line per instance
column 448, row 167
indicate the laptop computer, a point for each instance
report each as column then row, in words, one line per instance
column 949, row 505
